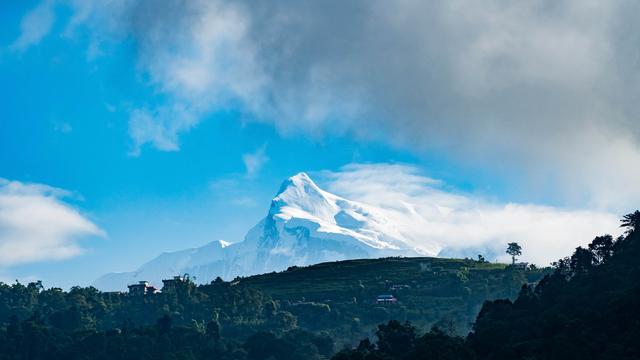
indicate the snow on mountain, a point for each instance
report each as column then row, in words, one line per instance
column 305, row 225
column 198, row 262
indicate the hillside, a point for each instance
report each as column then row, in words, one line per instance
column 587, row 308
column 428, row 290
column 336, row 280
column 334, row 301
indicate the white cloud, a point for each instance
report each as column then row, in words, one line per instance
column 237, row 190
column 159, row 127
column 62, row 127
column 550, row 88
column 36, row 225
column 244, row 201
column 467, row 225
column 200, row 63
column 35, row 25
column 253, row 162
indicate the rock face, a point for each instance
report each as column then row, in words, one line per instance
column 305, row 225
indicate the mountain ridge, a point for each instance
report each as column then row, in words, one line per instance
column 304, row 225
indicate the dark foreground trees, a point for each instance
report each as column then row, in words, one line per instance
column 401, row 341
column 588, row 308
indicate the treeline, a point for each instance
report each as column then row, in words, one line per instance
column 588, row 308
column 238, row 309
column 241, row 323
column 34, row 339
column 302, row 313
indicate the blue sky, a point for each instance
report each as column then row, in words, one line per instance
column 65, row 124
column 168, row 135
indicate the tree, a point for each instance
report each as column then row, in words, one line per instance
column 213, row 329
column 514, row 250
column 437, row 345
column 164, row 324
column 265, row 345
column 631, row 221
column 395, row 338
column 602, row 248
column 581, row 261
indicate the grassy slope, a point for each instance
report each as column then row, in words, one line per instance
column 450, row 290
column 337, row 281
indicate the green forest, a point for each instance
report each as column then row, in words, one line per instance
column 585, row 307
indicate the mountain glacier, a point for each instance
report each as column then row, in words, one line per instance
column 305, row 225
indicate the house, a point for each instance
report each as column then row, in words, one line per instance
column 141, row 288
column 521, row 265
column 170, row 284
column 386, row 299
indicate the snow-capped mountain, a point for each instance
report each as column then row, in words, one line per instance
column 199, row 263
column 305, row 225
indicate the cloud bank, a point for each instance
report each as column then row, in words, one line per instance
column 36, row 224
column 461, row 225
column 550, row 88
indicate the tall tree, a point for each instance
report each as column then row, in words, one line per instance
column 514, row 250
column 395, row 338
column 602, row 248
column 631, row 221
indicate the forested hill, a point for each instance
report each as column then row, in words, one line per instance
column 429, row 291
column 421, row 276
column 301, row 313
column 588, row 308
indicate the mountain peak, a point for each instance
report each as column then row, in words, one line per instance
column 301, row 193
column 301, row 179
column 301, row 176
column 300, row 183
